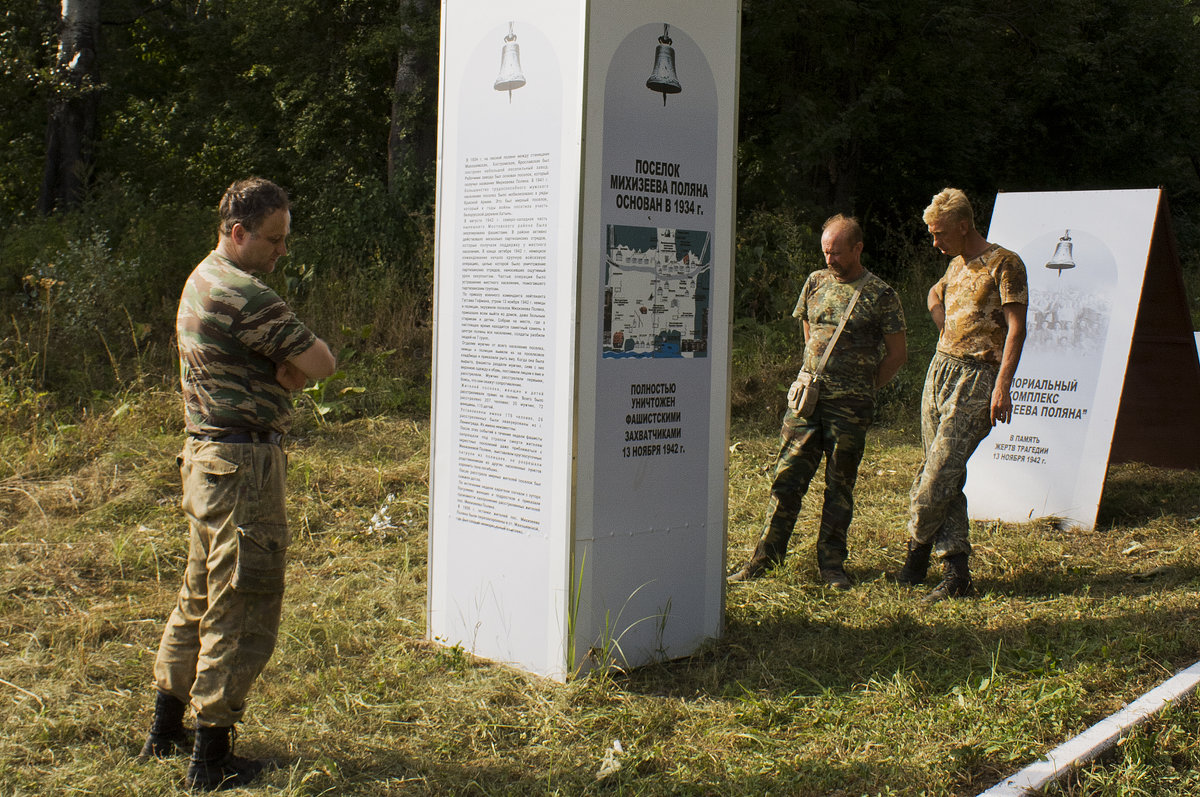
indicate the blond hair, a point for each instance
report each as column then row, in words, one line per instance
column 951, row 204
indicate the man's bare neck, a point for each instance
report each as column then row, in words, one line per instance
column 976, row 245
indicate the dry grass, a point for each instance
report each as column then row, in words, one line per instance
column 809, row 692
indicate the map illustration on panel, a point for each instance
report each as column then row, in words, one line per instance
column 656, row 292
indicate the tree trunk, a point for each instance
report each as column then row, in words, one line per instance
column 411, row 144
column 72, row 119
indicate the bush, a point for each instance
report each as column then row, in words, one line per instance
column 89, row 298
column 776, row 251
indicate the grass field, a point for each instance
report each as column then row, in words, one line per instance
column 809, row 692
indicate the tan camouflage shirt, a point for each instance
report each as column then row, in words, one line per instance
column 850, row 370
column 974, row 292
column 233, row 331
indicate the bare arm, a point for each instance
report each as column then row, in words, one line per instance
column 937, row 308
column 896, row 346
column 806, row 331
column 315, row 362
column 1014, row 341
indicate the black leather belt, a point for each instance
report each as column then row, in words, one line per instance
column 272, row 438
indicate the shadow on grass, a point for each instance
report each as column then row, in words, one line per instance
column 1137, row 494
column 938, row 647
column 386, row 772
column 1048, row 579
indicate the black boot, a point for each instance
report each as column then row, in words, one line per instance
column 916, row 566
column 956, row 580
column 753, row 569
column 835, row 577
column 214, row 766
column 167, row 736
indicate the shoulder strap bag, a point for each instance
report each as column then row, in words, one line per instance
column 802, row 395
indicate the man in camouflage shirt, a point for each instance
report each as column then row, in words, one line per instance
column 979, row 307
column 242, row 352
column 867, row 354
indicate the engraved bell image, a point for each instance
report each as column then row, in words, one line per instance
column 1062, row 255
column 511, row 76
column 664, row 79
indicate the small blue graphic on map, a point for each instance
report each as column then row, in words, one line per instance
column 657, row 283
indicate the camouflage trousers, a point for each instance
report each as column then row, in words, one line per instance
column 837, row 432
column 223, row 629
column 955, row 417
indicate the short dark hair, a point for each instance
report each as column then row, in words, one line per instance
column 248, row 202
column 853, row 228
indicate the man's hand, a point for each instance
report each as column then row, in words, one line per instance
column 1001, row 404
column 1014, row 341
column 289, row 376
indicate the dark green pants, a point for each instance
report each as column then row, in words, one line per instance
column 837, row 432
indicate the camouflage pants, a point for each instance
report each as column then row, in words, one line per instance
column 838, row 433
column 955, row 417
column 223, row 629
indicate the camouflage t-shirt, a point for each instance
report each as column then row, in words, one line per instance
column 974, row 292
column 233, row 331
column 850, row 370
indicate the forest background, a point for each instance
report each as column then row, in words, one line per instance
column 124, row 120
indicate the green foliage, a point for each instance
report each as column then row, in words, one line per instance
column 196, row 95
column 95, row 292
column 67, row 310
column 27, row 44
column 327, row 397
column 21, row 402
column 872, row 108
column 300, row 93
column 851, row 107
column 66, row 285
column 361, row 231
column 777, row 249
column 765, row 359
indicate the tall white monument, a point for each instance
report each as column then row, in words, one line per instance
column 586, row 178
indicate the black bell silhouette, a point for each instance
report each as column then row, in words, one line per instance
column 663, row 78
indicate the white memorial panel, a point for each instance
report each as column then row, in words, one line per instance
column 1085, row 253
column 583, row 286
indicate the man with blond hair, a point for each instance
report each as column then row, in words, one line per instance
column 979, row 308
column 836, row 429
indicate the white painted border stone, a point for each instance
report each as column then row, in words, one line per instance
column 1098, row 738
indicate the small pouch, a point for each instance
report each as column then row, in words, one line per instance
column 802, row 395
